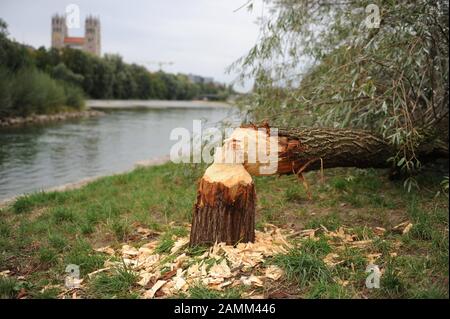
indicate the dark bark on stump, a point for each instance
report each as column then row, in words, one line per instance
column 223, row 214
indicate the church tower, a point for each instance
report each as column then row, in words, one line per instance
column 59, row 31
column 92, row 35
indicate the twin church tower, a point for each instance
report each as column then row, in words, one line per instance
column 91, row 42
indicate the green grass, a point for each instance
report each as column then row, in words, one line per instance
column 318, row 247
column 82, row 254
column 57, row 241
column 391, row 283
column 62, row 215
column 165, row 245
column 115, row 285
column 294, row 193
column 202, row 292
column 26, row 203
column 9, row 288
column 327, row 290
column 120, row 228
column 303, row 267
column 167, row 240
column 331, row 222
column 41, row 233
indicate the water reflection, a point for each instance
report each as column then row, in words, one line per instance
column 43, row 156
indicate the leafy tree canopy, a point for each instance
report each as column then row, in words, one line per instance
column 328, row 63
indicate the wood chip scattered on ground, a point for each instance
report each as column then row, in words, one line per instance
column 223, row 266
column 219, row 267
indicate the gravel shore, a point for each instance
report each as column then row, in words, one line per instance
column 37, row 119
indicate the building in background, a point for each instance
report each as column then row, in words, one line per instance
column 197, row 79
column 91, row 42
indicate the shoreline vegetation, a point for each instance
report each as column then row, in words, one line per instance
column 94, row 108
column 47, row 118
column 354, row 217
column 156, row 104
column 85, row 181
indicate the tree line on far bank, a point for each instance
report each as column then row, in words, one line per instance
column 47, row 81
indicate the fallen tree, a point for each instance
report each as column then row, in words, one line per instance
column 305, row 149
column 225, row 205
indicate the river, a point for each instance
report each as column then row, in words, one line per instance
column 38, row 157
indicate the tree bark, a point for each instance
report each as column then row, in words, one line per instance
column 313, row 148
column 305, row 149
column 225, row 207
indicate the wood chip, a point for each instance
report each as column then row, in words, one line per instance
column 273, row 272
column 178, row 244
column 129, row 250
column 220, row 270
column 379, row 231
column 407, row 229
column 107, row 250
column 400, row 228
column 331, row 260
column 252, row 280
column 149, row 294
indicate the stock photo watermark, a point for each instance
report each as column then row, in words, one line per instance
column 373, row 279
column 73, row 16
column 373, row 19
column 230, row 146
column 72, row 279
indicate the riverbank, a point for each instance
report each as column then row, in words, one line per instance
column 154, row 104
column 94, row 108
column 46, row 118
column 85, row 181
column 354, row 218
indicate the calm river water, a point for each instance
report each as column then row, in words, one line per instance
column 37, row 157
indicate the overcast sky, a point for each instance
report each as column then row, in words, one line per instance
column 199, row 36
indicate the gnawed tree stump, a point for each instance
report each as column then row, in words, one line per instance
column 225, row 207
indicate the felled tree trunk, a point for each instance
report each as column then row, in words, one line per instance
column 305, row 149
column 225, row 207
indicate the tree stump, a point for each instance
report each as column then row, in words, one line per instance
column 225, row 207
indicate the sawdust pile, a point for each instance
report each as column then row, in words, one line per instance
column 221, row 266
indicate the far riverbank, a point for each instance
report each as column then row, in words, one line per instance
column 154, row 104
column 45, row 118
column 93, row 107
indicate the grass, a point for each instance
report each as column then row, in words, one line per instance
column 165, row 245
column 202, row 292
column 166, row 242
column 303, row 267
column 8, row 288
column 116, row 285
column 81, row 254
column 327, row 290
column 120, row 228
column 41, row 233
